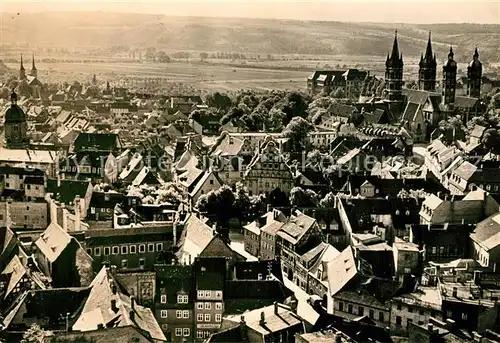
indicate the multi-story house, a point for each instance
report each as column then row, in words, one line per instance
column 268, row 171
column 311, row 268
column 174, row 301
column 138, row 248
column 485, row 246
column 209, row 302
column 297, row 236
column 406, row 258
column 267, row 243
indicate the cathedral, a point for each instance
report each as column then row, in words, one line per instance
column 29, row 83
column 420, row 111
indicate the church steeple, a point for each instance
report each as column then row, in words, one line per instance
column 449, row 81
column 474, row 75
column 33, row 68
column 22, row 71
column 427, row 69
column 394, row 73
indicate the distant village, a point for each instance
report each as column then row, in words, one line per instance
column 365, row 210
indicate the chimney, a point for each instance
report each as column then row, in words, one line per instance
column 455, row 292
column 243, row 328
column 430, row 327
column 477, row 337
column 112, row 285
column 77, row 213
column 276, row 308
column 132, row 308
column 113, row 306
column 262, row 321
column 100, row 326
column 67, row 322
column 58, row 180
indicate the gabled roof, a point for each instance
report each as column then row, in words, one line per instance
column 96, row 141
column 203, row 180
column 194, row 238
column 143, row 175
column 487, row 232
column 477, row 131
column 97, row 309
column 341, row 270
column 15, row 272
column 67, row 189
column 466, row 170
column 296, row 227
column 53, row 241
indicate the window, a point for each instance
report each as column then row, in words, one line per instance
column 199, row 306
column 218, row 306
column 399, row 307
column 132, row 249
column 124, row 250
column 207, row 317
column 163, row 313
column 97, row 251
column 185, row 332
column 408, row 321
column 182, row 299
column 142, row 248
column 349, row 308
column 259, row 277
column 361, row 310
column 199, row 317
column 208, row 294
column 207, row 333
column 151, row 247
column 163, row 298
column 159, row 246
column 381, row 316
column 407, row 270
column 142, row 262
column 178, row 314
column 421, row 312
column 106, row 251
column 218, row 317
column 208, row 306
column 124, row 264
column 464, row 316
column 199, row 334
column 178, row 332
column 115, row 250
column 372, row 314
column 185, row 314
column 89, row 251
column 218, row 294
column 201, row 294
column 398, row 320
column 410, row 309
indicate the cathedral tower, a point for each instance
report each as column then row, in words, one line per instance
column 15, row 127
column 22, row 71
column 33, row 68
column 474, row 74
column 427, row 69
column 394, row 73
column 449, row 81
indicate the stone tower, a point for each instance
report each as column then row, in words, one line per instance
column 394, row 73
column 474, row 74
column 15, row 126
column 427, row 69
column 449, row 82
column 22, row 71
column 33, row 68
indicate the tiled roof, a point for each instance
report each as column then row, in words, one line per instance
column 487, row 232
column 194, row 238
column 465, row 102
column 110, row 335
column 96, row 141
column 98, row 310
column 15, row 271
column 466, row 170
column 477, row 131
column 314, row 252
column 203, row 180
column 68, row 189
column 53, row 241
column 341, row 270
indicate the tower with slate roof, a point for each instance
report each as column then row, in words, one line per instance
column 474, row 74
column 427, row 69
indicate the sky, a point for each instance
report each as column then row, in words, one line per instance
column 398, row 11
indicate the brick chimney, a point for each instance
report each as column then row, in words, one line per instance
column 262, row 321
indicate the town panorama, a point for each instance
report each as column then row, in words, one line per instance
column 155, row 194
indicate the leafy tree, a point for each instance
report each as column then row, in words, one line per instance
column 326, row 209
column 170, row 192
column 218, row 100
column 217, row 204
column 196, row 115
column 275, row 120
column 162, row 57
column 296, row 131
column 203, row 56
column 303, row 198
column 242, row 203
column 491, row 140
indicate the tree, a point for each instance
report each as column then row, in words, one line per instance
column 203, row 56
column 218, row 100
column 242, row 203
column 275, row 120
column 296, row 131
column 34, row 334
column 163, row 57
column 218, row 205
column 326, row 210
column 170, row 192
column 491, row 140
column 303, row 198
column 4, row 93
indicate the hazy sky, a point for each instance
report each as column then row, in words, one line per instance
column 439, row 11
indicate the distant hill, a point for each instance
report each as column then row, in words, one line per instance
column 263, row 36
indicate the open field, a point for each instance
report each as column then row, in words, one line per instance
column 208, row 77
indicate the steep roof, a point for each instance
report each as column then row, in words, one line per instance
column 487, row 232
column 98, row 310
column 466, row 170
column 194, row 238
column 341, row 270
column 53, row 241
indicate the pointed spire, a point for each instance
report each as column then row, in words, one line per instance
column 13, row 97
column 33, row 62
column 451, row 54
column 428, row 51
column 476, row 54
column 22, row 66
column 395, row 47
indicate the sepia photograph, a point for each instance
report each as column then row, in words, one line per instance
column 322, row 171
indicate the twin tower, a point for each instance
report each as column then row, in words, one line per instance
column 427, row 74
